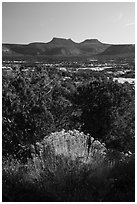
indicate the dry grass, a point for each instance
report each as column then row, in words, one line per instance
column 62, row 172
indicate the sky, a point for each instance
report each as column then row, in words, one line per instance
column 109, row 22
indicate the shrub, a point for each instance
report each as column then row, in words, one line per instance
column 57, row 173
column 106, row 109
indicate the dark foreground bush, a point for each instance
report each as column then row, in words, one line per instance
column 60, row 177
column 121, row 182
column 104, row 184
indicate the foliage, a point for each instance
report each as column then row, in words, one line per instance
column 107, row 109
column 49, row 117
column 40, row 102
column 25, row 113
column 58, row 177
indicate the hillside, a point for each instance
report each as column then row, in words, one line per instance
column 66, row 47
column 93, row 46
column 119, row 50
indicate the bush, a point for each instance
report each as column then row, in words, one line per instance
column 63, row 175
column 26, row 118
column 106, row 109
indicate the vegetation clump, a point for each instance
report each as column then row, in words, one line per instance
column 67, row 140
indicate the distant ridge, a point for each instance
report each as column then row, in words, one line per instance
column 61, row 40
column 119, row 49
column 91, row 41
column 66, row 47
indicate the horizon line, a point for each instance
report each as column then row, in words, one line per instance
column 27, row 43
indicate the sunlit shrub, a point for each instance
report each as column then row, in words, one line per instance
column 58, row 173
column 73, row 145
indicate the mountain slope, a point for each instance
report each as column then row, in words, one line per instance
column 66, row 47
column 119, row 50
column 93, row 46
column 57, row 46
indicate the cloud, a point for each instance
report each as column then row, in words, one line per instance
column 119, row 17
column 130, row 24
